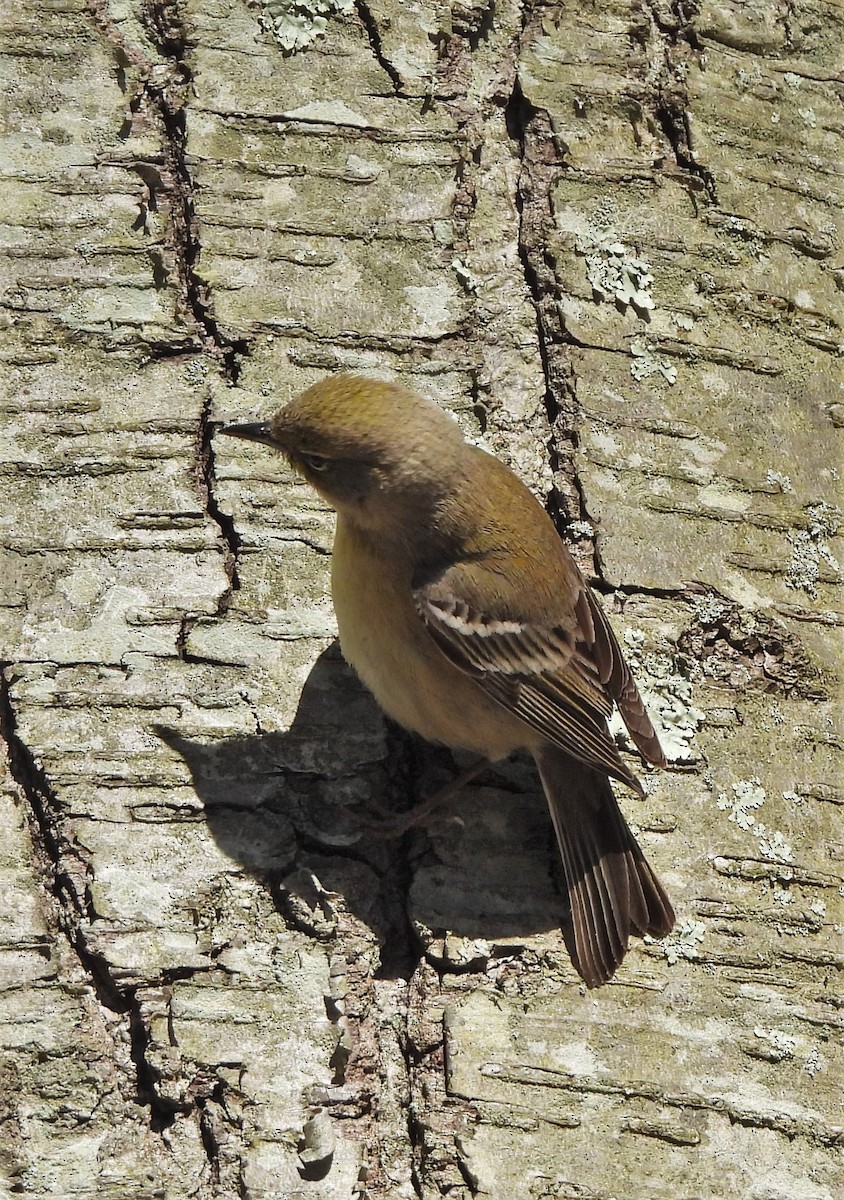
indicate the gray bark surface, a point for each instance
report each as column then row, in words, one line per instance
column 608, row 238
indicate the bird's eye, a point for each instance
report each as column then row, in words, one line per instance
column 316, row 462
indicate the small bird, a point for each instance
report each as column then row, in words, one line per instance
column 465, row 615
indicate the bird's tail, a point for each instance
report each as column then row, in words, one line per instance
column 612, row 889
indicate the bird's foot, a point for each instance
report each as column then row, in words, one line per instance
column 394, row 825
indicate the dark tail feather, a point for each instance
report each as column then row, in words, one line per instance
column 612, row 889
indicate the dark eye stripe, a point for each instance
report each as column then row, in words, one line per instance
column 316, row 462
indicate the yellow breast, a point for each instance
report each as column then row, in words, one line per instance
column 385, row 640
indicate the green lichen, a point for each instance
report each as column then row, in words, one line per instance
column 295, row 24
column 646, row 362
column 616, row 273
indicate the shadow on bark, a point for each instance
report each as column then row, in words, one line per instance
column 288, row 806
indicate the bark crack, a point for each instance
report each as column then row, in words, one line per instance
column 168, row 95
column 532, row 130
column 373, row 33
column 66, row 868
column 542, row 159
column 671, row 99
column 165, row 87
column 228, row 536
column 68, row 875
column 167, row 92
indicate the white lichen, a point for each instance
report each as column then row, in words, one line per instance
column 667, row 697
column 605, row 217
column 748, row 796
column 196, row 370
column 776, row 479
column 814, row 1062
column 469, row 280
column 295, row 24
column 682, row 942
column 826, row 518
column 809, row 548
column 750, row 78
column 580, row 529
column 772, row 845
column 708, row 608
column 744, row 231
column 779, row 1045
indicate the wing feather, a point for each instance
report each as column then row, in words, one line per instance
column 621, row 686
column 561, row 682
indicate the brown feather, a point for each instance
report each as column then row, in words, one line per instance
column 621, row 686
column 612, row 888
column 562, row 684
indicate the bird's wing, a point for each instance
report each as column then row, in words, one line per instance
column 560, row 680
column 620, row 684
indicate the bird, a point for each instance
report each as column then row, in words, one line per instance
column 463, row 612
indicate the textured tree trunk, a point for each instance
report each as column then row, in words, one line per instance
column 608, row 237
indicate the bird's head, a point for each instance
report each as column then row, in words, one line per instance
column 356, row 439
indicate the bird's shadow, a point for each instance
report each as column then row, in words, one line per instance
column 289, row 807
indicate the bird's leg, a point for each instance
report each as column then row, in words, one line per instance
column 394, row 826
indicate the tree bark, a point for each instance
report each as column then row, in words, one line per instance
column 607, row 237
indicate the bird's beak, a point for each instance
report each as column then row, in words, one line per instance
column 259, row 431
